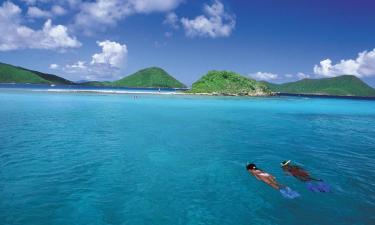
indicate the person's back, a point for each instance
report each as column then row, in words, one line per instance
column 313, row 184
column 271, row 181
column 296, row 171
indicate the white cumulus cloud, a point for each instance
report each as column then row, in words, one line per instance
column 276, row 78
column 216, row 23
column 148, row 6
column 301, row 75
column 171, row 19
column 77, row 67
column 113, row 54
column 100, row 14
column 58, row 10
column 53, row 66
column 14, row 35
column 264, row 76
column 104, row 65
column 362, row 66
column 40, row 2
column 35, row 12
column 33, row 2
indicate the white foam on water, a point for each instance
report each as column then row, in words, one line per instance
column 109, row 91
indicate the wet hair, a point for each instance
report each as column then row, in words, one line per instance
column 251, row 166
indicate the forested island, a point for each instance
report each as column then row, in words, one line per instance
column 213, row 83
column 152, row 77
column 345, row 85
column 228, row 83
column 15, row 74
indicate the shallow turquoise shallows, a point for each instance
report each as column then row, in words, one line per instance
column 75, row 158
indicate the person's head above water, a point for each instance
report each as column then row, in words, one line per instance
column 251, row 166
column 285, row 163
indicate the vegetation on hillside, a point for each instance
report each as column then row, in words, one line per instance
column 96, row 83
column 15, row 74
column 12, row 74
column 214, row 82
column 149, row 77
column 345, row 85
column 51, row 77
column 228, row 83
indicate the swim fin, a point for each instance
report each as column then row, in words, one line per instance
column 324, row 187
column 318, row 186
column 286, row 192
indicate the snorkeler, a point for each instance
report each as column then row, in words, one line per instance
column 313, row 184
column 271, row 180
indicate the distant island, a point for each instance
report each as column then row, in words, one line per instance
column 153, row 77
column 212, row 83
column 228, row 83
column 15, row 74
column 345, row 85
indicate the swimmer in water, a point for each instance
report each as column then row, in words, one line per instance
column 312, row 184
column 263, row 176
column 267, row 178
column 297, row 171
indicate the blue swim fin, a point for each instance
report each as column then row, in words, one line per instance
column 310, row 185
column 318, row 186
column 324, row 187
column 286, row 192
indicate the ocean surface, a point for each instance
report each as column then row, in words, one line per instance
column 100, row 158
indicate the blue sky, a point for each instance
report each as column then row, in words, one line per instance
column 270, row 40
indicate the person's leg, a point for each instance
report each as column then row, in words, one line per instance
column 272, row 183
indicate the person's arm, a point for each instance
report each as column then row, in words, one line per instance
column 286, row 172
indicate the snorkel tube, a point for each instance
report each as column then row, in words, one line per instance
column 285, row 163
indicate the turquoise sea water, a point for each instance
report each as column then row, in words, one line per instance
column 71, row 158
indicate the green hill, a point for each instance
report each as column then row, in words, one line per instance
column 51, row 77
column 149, row 77
column 96, row 83
column 228, row 83
column 345, row 85
column 14, row 74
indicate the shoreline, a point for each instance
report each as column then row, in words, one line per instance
column 179, row 93
column 109, row 91
column 325, row 96
column 166, row 92
column 96, row 91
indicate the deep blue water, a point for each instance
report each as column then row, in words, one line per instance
column 75, row 158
